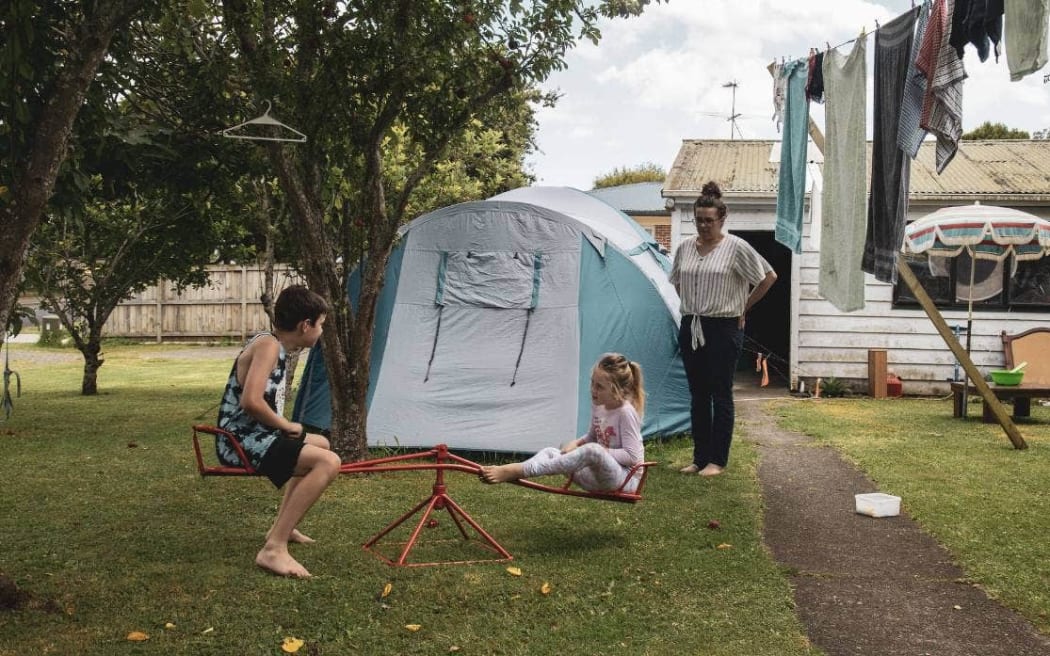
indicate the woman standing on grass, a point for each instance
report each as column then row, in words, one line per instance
column 718, row 278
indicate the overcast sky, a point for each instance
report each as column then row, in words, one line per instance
column 657, row 79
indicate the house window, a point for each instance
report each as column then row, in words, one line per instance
column 947, row 281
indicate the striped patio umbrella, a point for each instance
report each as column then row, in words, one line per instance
column 984, row 232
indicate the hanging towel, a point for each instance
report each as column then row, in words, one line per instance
column 779, row 93
column 890, row 166
column 910, row 135
column 815, row 83
column 942, row 105
column 843, row 213
column 791, row 188
column 1026, row 36
column 978, row 22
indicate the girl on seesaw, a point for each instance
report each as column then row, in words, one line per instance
column 601, row 459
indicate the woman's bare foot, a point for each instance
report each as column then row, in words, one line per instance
column 280, row 562
column 296, row 536
column 501, row 473
column 710, row 470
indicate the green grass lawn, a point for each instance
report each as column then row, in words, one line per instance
column 961, row 479
column 107, row 526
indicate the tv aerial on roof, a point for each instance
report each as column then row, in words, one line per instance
column 264, row 128
column 733, row 115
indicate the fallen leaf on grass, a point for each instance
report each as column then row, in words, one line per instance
column 545, row 588
column 386, row 590
column 514, row 571
column 169, row 625
column 208, row 630
column 957, row 607
column 291, row 645
column 138, row 636
column 413, row 627
column 453, row 648
column 725, row 545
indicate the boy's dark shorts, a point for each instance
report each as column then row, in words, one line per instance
column 278, row 464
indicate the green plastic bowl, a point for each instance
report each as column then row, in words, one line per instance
column 1004, row 377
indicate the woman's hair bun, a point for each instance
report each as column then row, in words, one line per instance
column 711, row 190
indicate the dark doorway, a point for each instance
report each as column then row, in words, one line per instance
column 768, row 328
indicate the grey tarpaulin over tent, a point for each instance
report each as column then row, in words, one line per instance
column 492, row 315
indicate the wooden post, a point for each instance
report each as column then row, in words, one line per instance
column 974, row 375
column 877, row 373
column 160, row 311
column 244, row 304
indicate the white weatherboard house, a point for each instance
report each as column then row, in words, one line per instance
column 805, row 335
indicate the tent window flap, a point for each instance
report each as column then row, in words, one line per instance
column 506, row 280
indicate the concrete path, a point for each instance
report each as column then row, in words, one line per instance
column 864, row 586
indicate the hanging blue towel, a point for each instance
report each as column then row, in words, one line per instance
column 791, row 190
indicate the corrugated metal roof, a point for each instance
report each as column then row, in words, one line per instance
column 1016, row 170
column 997, row 168
column 639, row 197
column 739, row 166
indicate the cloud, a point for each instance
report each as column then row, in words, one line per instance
column 658, row 78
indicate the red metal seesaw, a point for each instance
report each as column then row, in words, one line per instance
column 438, row 500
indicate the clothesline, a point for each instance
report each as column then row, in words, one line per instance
column 863, row 35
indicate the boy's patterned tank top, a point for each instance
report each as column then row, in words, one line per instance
column 255, row 437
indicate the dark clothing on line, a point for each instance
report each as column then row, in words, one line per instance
column 890, row 166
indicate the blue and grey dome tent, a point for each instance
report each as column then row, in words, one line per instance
column 492, row 315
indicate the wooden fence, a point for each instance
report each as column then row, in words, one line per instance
column 228, row 307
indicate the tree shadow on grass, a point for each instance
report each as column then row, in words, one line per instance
column 14, row 598
column 560, row 540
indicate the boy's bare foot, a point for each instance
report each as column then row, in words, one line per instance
column 280, row 562
column 296, row 536
column 500, row 473
column 689, row 469
column 710, row 470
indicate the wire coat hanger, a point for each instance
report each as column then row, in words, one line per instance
column 265, row 120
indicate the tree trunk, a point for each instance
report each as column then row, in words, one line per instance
column 33, row 179
column 92, row 363
column 347, row 370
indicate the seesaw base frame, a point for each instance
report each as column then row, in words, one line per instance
column 438, row 500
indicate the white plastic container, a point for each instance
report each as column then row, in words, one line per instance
column 877, row 504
